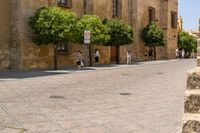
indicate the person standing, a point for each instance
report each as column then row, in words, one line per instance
column 183, row 53
column 128, row 57
column 78, row 59
column 146, row 55
column 177, row 53
column 96, row 56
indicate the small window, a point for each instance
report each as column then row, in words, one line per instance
column 152, row 14
column 63, row 47
column 174, row 20
column 65, row 3
column 116, row 8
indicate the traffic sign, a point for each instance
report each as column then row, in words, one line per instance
column 87, row 35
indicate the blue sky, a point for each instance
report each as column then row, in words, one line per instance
column 190, row 12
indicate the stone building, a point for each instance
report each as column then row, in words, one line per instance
column 180, row 24
column 17, row 50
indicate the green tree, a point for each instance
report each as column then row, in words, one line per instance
column 153, row 36
column 53, row 25
column 120, row 34
column 99, row 32
column 187, row 42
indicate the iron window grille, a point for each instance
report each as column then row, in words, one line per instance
column 63, row 47
column 116, row 8
column 65, row 3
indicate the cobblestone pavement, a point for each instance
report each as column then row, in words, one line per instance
column 144, row 98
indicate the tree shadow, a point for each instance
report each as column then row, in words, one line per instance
column 10, row 74
column 27, row 74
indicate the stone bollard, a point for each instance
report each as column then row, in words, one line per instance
column 191, row 121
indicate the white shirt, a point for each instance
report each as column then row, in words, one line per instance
column 97, row 54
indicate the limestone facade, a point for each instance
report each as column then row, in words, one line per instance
column 19, row 52
column 180, row 24
column 5, row 34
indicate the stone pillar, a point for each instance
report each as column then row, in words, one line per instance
column 198, row 53
column 191, row 121
column 16, row 30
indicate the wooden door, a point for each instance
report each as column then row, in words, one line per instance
column 113, row 55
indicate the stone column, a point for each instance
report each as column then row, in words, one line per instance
column 16, row 32
column 191, row 121
column 198, row 53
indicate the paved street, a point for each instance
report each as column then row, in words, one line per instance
column 140, row 98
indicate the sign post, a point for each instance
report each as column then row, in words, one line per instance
column 87, row 57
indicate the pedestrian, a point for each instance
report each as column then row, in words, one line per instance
column 146, row 54
column 183, row 53
column 193, row 54
column 128, row 57
column 177, row 53
column 151, row 53
column 79, row 59
column 96, row 56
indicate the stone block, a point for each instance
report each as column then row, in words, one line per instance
column 192, row 101
column 198, row 41
column 193, row 81
column 198, row 51
column 198, row 61
column 191, row 123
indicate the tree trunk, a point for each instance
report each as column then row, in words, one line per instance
column 90, row 54
column 154, row 50
column 86, row 55
column 117, row 54
column 55, row 56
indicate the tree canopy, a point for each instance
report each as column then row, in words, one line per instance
column 119, row 32
column 187, row 42
column 99, row 32
column 52, row 25
column 153, row 36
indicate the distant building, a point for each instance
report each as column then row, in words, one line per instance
column 180, row 24
column 195, row 33
column 17, row 50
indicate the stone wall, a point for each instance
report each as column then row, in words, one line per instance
column 27, row 55
column 5, row 23
column 191, row 121
column 19, row 52
column 172, row 37
column 163, row 10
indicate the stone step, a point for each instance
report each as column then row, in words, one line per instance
column 192, row 101
column 191, row 123
column 193, row 81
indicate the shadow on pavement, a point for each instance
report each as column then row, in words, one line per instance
column 37, row 73
column 10, row 74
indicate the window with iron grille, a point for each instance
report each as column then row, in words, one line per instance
column 116, row 6
column 63, row 47
column 65, row 3
column 152, row 14
column 174, row 20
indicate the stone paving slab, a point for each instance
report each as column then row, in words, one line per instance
column 145, row 98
